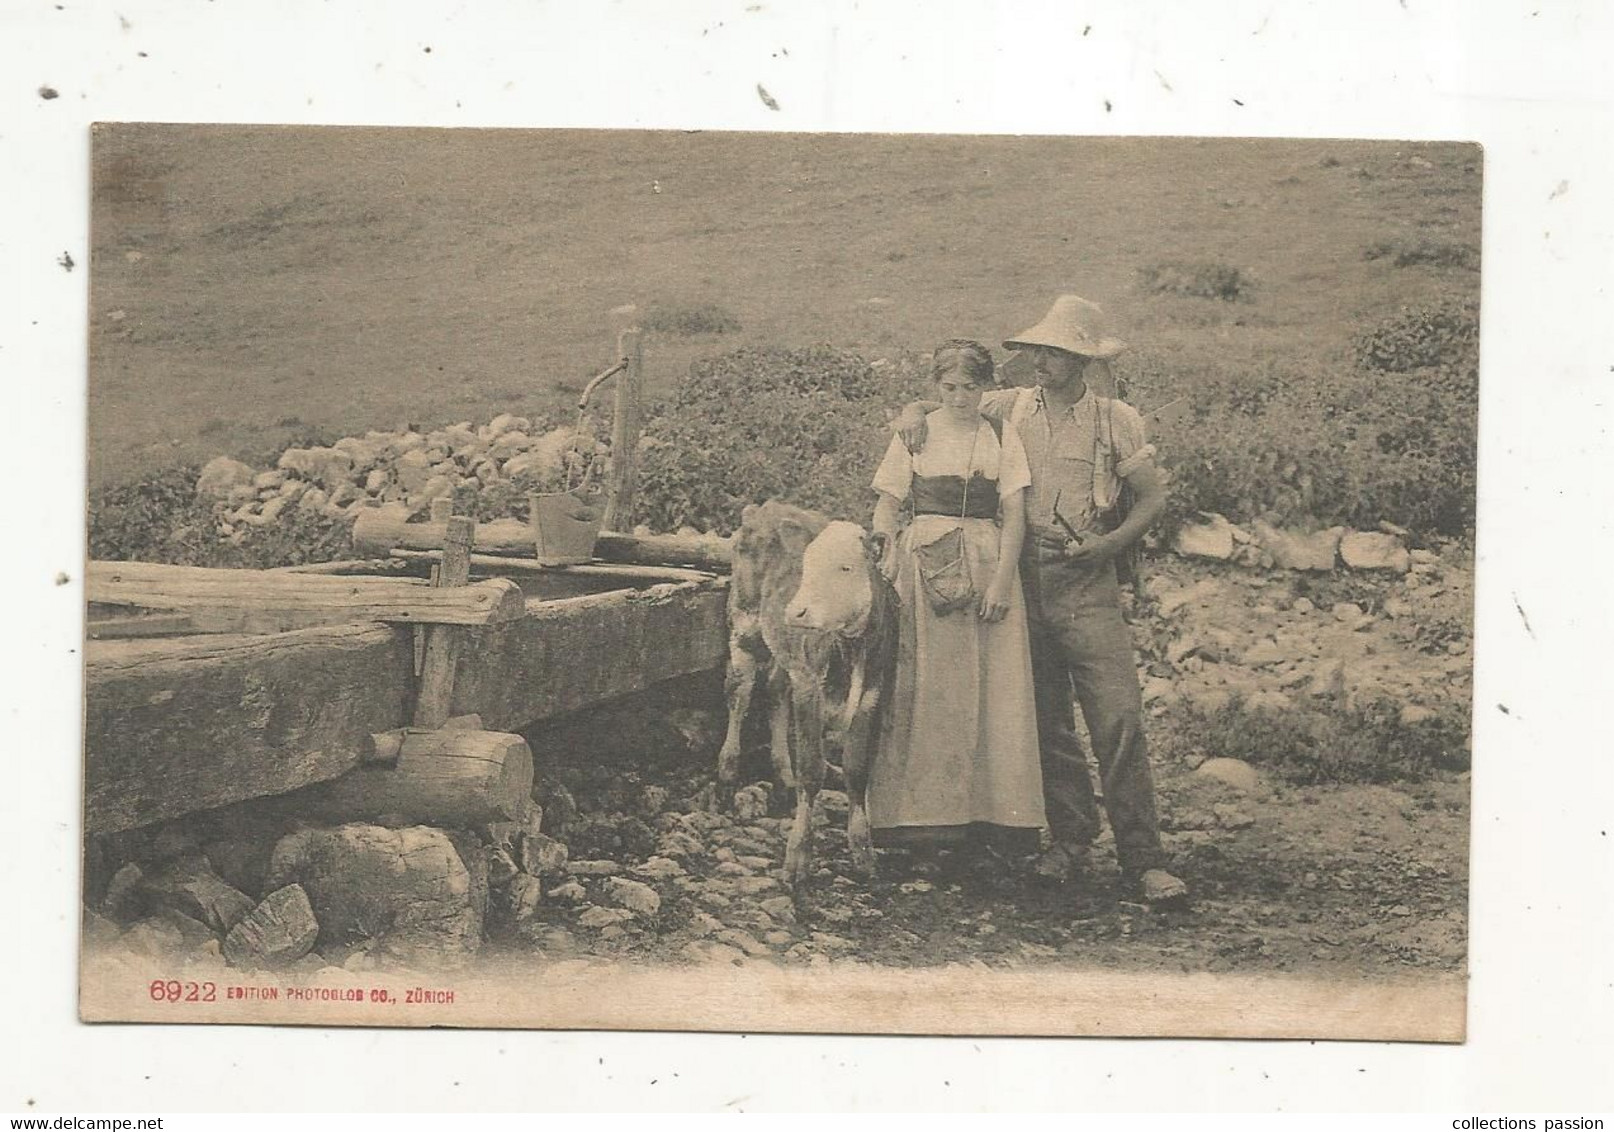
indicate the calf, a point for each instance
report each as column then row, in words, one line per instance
column 809, row 608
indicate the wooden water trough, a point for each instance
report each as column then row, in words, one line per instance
column 210, row 687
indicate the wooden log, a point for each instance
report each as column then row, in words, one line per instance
column 268, row 601
column 348, row 567
column 619, row 489
column 435, row 692
column 176, row 726
column 378, row 531
column 455, row 779
column 626, row 574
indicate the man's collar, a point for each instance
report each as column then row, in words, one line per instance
column 1040, row 403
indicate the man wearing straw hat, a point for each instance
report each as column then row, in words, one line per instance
column 1086, row 451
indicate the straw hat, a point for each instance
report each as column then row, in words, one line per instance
column 1072, row 324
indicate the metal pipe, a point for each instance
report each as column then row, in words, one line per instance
column 588, row 390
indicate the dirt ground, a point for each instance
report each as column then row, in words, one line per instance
column 1322, row 879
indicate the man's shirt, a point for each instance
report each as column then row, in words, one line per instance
column 1078, row 457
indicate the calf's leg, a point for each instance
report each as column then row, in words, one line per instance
column 859, row 759
column 739, row 684
column 807, row 717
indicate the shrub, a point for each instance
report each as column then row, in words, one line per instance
column 1445, row 336
column 806, row 426
column 688, row 321
column 1197, row 280
column 1366, row 742
column 1424, row 251
column 160, row 519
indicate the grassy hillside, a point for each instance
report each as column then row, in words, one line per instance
column 252, row 285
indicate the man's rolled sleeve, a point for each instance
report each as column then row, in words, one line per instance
column 1131, row 438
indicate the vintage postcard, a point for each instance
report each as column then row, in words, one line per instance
column 803, row 582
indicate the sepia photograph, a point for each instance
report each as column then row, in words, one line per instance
column 894, row 583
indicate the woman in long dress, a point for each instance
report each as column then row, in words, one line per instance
column 958, row 759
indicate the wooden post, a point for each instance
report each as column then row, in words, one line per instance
column 625, row 434
column 434, row 695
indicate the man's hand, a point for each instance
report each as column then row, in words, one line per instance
column 1090, row 549
column 910, row 424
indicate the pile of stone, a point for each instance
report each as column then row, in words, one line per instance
column 402, row 467
column 259, row 895
column 1264, row 546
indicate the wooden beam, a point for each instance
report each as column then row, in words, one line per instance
column 268, row 601
column 435, row 691
column 379, row 531
column 176, row 726
column 625, row 434
column 582, row 651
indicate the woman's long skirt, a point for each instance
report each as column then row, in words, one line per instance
column 959, row 755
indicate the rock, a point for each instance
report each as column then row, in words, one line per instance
column 1206, row 592
column 596, row 917
column 272, row 480
column 241, row 494
column 191, row 887
column 193, row 933
column 637, row 898
column 831, row 942
column 437, row 487
column 754, row 863
column 1211, row 539
column 324, row 466
column 744, row 941
column 1268, row 700
column 1264, row 652
column 781, row 908
column 347, row 495
column 541, row 855
column 778, row 938
column 505, row 422
column 571, row 892
column 518, row 901
column 221, row 475
column 753, row 886
column 677, row 843
column 593, row 868
column 411, row 471
column 1210, row 700
column 1347, row 612
column 659, row 868
column 376, row 482
column 1302, row 605
column 1236, row 773
column 1395, row 607
column 1296, row 551
column 362, row 453
column 524, row 464
column 1414, row 714
column 1231, row 817
column 552, row 448
column 278, row 932
column 312, row 501
column 1423, row 557
column 272, row 510
column 412, row 885
column 509, row 444
column 125, row 897
column 1374, row 550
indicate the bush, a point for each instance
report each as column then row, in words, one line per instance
column 1445, row 337
column 1366, row 742
column 160, row 519
column 1424, row 251
column 806, row 426
column 1197, row 280
column 687, row 322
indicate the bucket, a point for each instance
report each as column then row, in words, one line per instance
column 567, row 523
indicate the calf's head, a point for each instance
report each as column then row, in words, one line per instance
column 838, row 577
